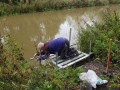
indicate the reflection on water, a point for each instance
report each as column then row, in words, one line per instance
column 27, row 28
column 64, row 29
column 87, row 19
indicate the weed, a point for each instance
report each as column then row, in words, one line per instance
column 100, row 34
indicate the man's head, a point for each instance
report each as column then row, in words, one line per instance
column 40, row 45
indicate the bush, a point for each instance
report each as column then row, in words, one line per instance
column 13, row 68
column 100, row 34
column 50, row 78
column 17, row 74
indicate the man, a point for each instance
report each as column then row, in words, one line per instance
column 59, row 45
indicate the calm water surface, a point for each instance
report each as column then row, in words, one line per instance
column 27, row 28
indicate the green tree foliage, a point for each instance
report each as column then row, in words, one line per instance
column 100, row 35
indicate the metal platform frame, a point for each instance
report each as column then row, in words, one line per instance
column 70, row 61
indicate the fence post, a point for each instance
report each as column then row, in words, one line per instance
column 70, row 35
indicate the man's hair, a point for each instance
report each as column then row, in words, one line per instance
column 40, row 45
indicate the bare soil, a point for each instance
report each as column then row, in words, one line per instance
column 100, row 69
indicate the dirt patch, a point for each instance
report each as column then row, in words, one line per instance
column 99, row 68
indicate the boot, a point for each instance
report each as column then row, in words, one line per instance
column 76, row 52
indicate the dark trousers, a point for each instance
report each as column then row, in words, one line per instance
column 64, row 51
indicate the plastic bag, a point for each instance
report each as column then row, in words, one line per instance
column 91, row 78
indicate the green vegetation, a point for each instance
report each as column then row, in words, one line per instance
column 100, row 35
column 8, row 7
column 17, row 74
column 13, row 71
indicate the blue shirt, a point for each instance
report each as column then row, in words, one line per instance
column 56, row 45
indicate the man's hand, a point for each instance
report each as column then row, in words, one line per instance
column 39, row 57
column 36, row 56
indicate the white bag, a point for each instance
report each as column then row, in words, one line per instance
column 91, row 78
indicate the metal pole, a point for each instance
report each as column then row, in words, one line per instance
column 40, row 38
column 56, row 59
column 70, row 35
column 40, row 50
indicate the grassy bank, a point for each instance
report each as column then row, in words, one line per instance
column 17, row 74
column 8, row 7
column 100, row 35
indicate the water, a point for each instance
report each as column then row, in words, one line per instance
column 27, row 28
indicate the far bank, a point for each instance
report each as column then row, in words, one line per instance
column 10, row 7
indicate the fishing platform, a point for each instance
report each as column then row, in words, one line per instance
column 69, row 61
